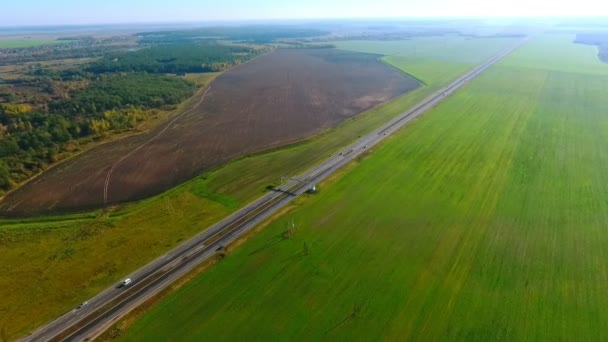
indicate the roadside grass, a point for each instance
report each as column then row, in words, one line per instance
column 484, row 219
column 50, row 264
column 24, row 43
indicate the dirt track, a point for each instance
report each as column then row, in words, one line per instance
column 271, row 101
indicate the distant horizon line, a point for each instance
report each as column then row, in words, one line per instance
column 295, row 20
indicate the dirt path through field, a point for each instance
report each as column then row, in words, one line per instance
column 109, row 175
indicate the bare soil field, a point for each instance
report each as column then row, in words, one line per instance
column 274, row 100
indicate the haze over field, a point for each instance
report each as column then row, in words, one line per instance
column 77, row 12
column 303, row 170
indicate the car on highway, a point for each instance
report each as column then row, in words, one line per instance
column 126, row 282
column 82, row 305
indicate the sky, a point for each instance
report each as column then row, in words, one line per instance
column 81, row 12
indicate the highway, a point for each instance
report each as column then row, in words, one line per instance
column 107, row 307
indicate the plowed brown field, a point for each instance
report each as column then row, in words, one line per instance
column 274, row 100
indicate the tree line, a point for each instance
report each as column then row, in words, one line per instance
column 257, row 34
column 175, row 59
column 113, row 91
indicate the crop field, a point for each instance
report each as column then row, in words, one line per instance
column 452, row 49
column 274, row 100
column 482, row 220
column 24, row 43
column 50, row 264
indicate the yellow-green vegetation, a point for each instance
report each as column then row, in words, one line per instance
column 202, row 79
column 16, row 108
column 24, row 43
column 483, row 220
column 117, row 119
column 51, row 264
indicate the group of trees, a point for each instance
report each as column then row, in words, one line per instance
column 175, row 59
column 30, row 141
column 118, row 119
column 57, row 52
column 114, row 91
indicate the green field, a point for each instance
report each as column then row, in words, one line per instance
column 451, row 49
column 485, row 219
column 24, row 43
column 51, row 264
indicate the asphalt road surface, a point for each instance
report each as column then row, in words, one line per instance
column 106, row 308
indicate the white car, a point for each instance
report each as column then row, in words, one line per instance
column 126, row 282
column 82, row 305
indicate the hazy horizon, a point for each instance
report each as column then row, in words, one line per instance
column 31, row 13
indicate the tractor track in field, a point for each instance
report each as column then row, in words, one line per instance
column 169, row 124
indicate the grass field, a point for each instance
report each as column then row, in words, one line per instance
column 51, row 264
column 24, row 43
column 483, row 220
